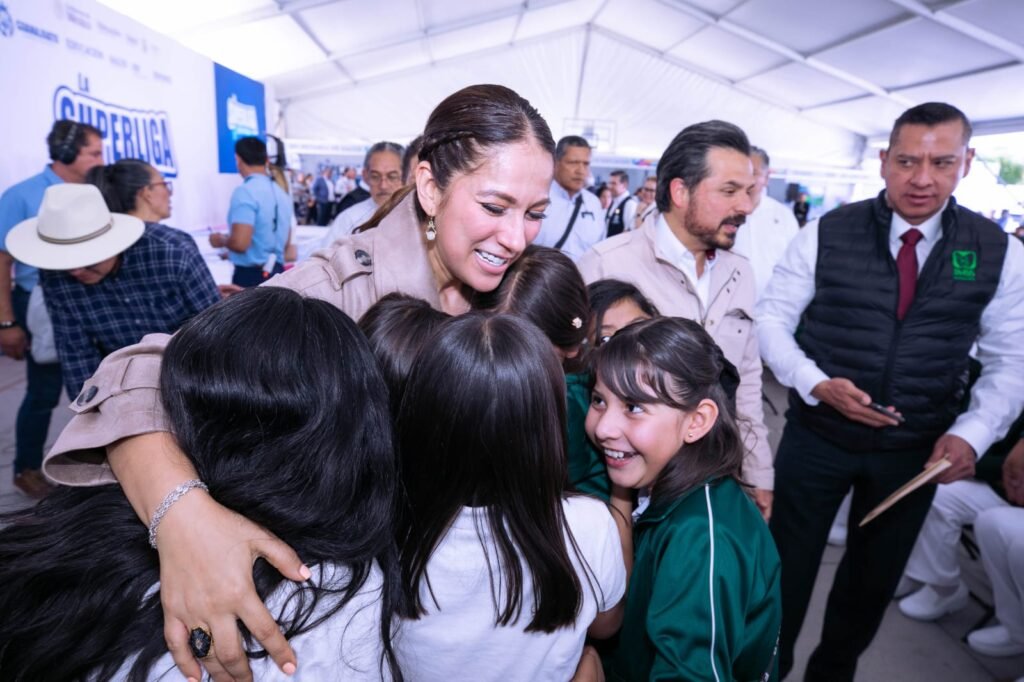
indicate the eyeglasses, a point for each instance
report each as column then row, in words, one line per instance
column 647, row 189
column 166, row 183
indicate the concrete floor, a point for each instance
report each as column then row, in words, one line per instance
column 903, row 651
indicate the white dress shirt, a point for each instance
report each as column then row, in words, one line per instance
column 997, row 397
column 588, row 229
column 682, row 258
column 763, row 238
column 348, row 220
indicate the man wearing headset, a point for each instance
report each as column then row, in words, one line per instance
column 74, row 149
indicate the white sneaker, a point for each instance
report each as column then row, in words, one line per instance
column 927, row 604
column 906, row 587
column 994, row 641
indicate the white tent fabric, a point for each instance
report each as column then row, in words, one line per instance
column 810, row 80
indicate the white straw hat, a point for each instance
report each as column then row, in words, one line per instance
column 74, row 229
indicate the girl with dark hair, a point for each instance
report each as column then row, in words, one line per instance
column 397, row 326
column 480, row 191
column 615, row 304
column 544, row 287
column 704, row 600
column 300, row 444
column 502, row 574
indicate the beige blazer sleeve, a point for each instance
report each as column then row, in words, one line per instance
column 122, row 399
column 758, row 465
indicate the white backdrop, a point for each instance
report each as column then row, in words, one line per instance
column 57, row 56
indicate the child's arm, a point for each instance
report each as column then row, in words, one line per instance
column 692, row 622
column 607, row 623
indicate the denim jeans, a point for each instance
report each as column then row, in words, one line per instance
column 41, row 396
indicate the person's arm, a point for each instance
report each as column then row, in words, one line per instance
column 13, row 341
column 695, row 610
column 206, row 551
column 629, row 213
column 198, row 288
column 611, row 568
column 242, row 218
column 790, row 290
column 758, row 469
column 997, row 397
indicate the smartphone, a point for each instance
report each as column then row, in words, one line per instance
column 882, row 409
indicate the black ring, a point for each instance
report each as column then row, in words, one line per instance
column 200, row 641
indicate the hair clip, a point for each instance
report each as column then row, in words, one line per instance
column 577, row 322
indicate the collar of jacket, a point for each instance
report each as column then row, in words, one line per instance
column 400, row 259
column 659, row 511
column 721, row 274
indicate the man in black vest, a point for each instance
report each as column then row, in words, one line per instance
column 622, row 212
column 889, row 295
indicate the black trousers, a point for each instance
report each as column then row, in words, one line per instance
column 247, row 276
column 812, row 475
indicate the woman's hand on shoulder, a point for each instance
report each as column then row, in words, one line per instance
column 206, row 558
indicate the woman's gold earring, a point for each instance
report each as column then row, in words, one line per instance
column 431, row 229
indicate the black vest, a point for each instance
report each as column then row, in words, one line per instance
column 850, row 329
column 615, row 222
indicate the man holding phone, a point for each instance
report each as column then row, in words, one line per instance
column 889, row 294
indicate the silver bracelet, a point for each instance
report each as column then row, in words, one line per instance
column 171, row 498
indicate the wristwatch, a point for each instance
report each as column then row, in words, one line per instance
column 7, row 324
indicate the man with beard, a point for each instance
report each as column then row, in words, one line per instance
column 681, row 261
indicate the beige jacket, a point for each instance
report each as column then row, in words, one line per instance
column 122, row 399
column 634, row 257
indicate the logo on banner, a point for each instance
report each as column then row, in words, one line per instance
column 128, row 133
column 242, row 118
column 6, row 22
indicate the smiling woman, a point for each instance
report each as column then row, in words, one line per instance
column 480, row 192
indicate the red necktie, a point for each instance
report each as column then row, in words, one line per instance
column 906, row 266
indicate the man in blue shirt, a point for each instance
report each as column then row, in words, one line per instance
column 74, row 149
column 260, row 217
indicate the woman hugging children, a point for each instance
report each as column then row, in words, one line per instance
column 496, row 495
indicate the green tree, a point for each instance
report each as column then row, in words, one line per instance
column 1010, row 172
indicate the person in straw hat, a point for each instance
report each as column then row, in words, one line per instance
column 110, row 278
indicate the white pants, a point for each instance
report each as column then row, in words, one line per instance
column 1000, row 534
column 956, row 505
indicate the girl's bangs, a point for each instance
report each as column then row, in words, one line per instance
column 626, row 369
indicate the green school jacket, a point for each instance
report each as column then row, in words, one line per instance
column 587, row 472
column 704, row 600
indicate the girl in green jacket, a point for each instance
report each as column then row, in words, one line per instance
column 703, row 600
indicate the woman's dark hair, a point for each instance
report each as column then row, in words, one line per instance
column 674, row 362
column 463, row 128
column 482, row 424
column 279, row 404
column 397, row 326
column 545, row 287
column 121, row 182
column 410, row 157
column 604, row 293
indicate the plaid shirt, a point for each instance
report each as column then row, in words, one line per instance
column 160, row 283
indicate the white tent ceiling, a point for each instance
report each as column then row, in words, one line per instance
column 808, row 79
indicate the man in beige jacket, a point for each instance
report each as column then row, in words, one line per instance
column 680, row 260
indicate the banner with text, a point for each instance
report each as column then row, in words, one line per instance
column 152, row 98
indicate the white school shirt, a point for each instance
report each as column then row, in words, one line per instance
column 589, row 228
column 348, row 220
column 997, row 397
column 460, row 640
column 347, row 646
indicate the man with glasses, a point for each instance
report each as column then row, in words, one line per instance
column 74, row 149
column 382, row 173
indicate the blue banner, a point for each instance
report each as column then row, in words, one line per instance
column 240, row 112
